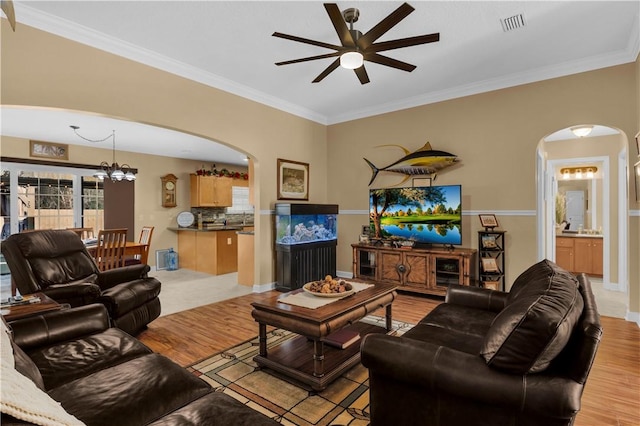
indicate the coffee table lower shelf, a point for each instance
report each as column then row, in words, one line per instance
column 294, row 359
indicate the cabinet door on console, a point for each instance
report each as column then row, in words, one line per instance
column 391, row 267
column 417, row 274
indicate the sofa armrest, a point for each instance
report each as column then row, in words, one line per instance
column 476, row 297
column 76, row 294
column 436, row 370
column 59, row 326
column 112, row 277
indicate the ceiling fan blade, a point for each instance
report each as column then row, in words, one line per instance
column 403, row 42
column 7, row 8
column 335, row 64
column 307, row 41
column 362, row 74
column 385, row 25
column 384, row 60
column 309, row 58
column 339, row 24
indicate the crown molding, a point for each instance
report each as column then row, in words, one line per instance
column 81, row 34
column 67, row 29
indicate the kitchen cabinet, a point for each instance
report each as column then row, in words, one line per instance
column 211, row 191
column 213, row 252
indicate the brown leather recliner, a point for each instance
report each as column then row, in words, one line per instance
column 56, row 263
column 487, row 357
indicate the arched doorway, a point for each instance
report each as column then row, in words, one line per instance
column 605, row 212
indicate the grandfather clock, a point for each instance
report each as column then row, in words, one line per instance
column 169, row 190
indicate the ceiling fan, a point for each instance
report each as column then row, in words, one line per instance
column 7, row 8
column 357, row 47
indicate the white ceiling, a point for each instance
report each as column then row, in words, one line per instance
column 228, row 45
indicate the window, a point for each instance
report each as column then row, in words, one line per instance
column 240, row 201
column 35, row 197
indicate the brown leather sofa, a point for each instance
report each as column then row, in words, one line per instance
column 103, row 376
column 486, row 357
column 57, row 263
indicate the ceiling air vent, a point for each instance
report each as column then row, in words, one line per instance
column 513, row 22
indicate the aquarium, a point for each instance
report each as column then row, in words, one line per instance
column 306, row 223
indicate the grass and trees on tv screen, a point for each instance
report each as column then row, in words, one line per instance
column 423, row 214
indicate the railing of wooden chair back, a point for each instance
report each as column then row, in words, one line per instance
column 110, row 249
column 83, row 233
column 145, row 238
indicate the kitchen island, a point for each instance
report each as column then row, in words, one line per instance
column 213, row 250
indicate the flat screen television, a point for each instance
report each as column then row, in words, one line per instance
column 425, row 215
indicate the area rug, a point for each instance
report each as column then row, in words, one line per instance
column 343, row 402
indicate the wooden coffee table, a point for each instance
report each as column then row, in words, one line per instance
column 305, row 358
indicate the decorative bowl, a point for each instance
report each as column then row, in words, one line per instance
column 348, row 286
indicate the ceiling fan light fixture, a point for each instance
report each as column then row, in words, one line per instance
column 581, row 131
column 351, row 60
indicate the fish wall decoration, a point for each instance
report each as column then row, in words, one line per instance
column 424, row 161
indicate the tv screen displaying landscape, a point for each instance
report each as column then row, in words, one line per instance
column 425, row 215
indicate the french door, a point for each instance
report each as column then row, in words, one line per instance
column 44, row 197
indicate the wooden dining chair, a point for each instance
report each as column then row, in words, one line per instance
column 145, row 238
column 83, row 233
column 110, row 248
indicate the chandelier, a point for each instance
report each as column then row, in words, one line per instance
column 113, row 171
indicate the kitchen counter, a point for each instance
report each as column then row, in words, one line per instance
column 245, row 258
column 217, row 228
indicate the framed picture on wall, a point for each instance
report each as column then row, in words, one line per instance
column 57, row 151
column 488, row 220
column 489, row 265
column 293, row 180
column 638, row 144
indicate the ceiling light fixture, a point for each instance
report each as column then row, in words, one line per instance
column 588, row 172
column 582, row 131
column 351, row 60
column 113, row 171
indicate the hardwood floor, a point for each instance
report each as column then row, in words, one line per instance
column 611, row 396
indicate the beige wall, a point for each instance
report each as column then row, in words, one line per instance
column 39, row 69
column 148, row 208
column 495, row 134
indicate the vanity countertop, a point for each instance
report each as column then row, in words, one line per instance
column 576, row 235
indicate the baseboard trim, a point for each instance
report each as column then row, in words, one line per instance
column 261, row 288
column 633, row 317
column 344, row 274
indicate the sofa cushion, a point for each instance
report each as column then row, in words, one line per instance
column 537, row 322
column 133, row 393
column 216, row 408
column 20, row 397
column 66, row 361
column 459, row 318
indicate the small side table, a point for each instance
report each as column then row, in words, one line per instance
column 46, row 304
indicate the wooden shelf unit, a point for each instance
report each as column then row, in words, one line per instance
column 419, row 270
column 491, row 245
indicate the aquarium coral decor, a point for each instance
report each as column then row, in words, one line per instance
column 308, row 232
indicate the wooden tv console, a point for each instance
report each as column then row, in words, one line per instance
column 419, row 270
